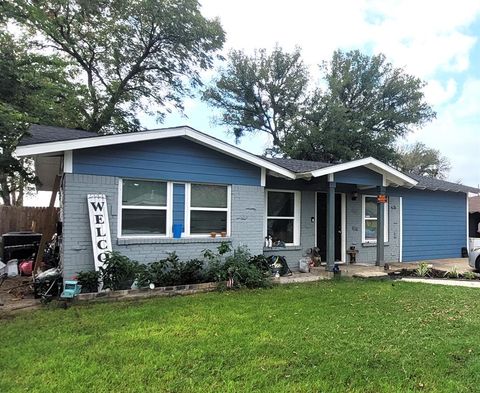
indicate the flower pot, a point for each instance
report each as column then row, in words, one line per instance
column 213, row 234
column 223, row 234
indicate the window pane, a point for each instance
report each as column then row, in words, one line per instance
column 371, row 207
column 281, row 204
column 208, row 196
column 144, row 193
column 144, row 222
column 370, row 229
column 280, row 230
column 206, row 222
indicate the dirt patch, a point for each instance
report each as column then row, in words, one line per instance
column 16, row 293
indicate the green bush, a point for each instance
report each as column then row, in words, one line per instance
column 89, row 281
column 171, row 271
column 469, row 275
column 244, row 271
column 423, row 270
column 452, row 273
column 119, row 272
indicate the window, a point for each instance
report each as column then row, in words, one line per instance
column 144, row 208
column 282, row 218
column 207, row 209
column 369, row 213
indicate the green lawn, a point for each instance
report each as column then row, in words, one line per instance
column 343, row 336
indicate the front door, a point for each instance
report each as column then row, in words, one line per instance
column 322, row 225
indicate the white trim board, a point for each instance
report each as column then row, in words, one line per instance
column 388, row 173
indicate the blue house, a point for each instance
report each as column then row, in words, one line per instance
column 181, row 180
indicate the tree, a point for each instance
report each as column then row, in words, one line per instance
column 133, row 56
column 365, row 106
column 33, row 88
column 418, row 159
column 263, row 92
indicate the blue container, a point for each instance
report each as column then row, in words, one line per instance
column 177, row 231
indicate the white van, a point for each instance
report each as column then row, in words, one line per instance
column 474, row 253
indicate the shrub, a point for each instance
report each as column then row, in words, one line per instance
column 469, row 275
column 89, row 281
column 423, row 270
column 118, row 271
column 452, row 273
column 215, row 261
column 170, row 271
column 143, row 276
column 243, row 271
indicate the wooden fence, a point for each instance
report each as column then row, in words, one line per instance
column 14, row 219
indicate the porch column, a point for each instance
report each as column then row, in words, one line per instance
column 331, row 224
column 380, row 229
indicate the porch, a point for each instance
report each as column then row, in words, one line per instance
column 355, row 212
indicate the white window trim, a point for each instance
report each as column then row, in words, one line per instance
column 188, row 209
column 168, row 208
column 364, row 219
column 296, row 218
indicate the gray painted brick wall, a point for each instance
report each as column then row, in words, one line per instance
column 368, row 252
column 246, row 220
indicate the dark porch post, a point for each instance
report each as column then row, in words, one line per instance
column 331, row 224
column 380, row 229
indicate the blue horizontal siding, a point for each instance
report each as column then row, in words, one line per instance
column 360, row 175
column 179, row 205
column 175, row 159
column 434, row 223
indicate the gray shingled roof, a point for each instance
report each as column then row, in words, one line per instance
column 43, row 134
column 424, row 182
column 431, row 183
column 297, row 166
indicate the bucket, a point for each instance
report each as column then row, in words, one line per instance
column 177, row 231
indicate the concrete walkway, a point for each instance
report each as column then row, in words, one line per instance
column 364, row 270
column 448, row 282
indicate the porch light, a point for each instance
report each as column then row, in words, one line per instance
column 354, row 196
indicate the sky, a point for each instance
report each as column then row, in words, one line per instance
column 438, row 41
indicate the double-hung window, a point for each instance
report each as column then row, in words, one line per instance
column 145, row 208
column 369, row 219
column 283, row 216
column 207, row 209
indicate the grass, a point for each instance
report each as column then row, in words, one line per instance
column 342, row 336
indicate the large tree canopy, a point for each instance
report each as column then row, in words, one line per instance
column 140, row 55
column 422, row 160
column 264, row 92
column 33, row 88
column 363, row 106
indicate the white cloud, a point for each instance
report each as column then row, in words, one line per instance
column 424, row 36
column 437, row 93
column 456, row 133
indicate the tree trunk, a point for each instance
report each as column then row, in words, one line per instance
column 4, row 191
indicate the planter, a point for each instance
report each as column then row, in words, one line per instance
column 223, row 234
column 213, row 234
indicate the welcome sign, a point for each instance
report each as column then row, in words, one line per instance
column 99, row 227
